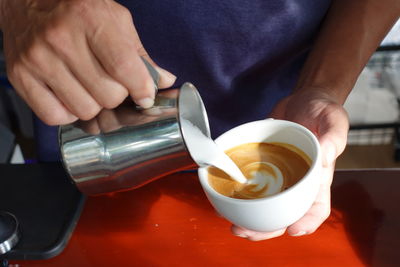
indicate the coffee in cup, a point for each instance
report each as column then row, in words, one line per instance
column 269, row 167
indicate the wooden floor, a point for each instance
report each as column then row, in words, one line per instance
column 370, row 156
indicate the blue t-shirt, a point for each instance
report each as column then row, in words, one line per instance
column 243, row 56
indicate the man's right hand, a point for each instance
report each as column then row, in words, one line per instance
column 69, row 59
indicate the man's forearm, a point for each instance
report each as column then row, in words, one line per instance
column 349, row 35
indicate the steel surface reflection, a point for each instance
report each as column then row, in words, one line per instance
column 127, row 147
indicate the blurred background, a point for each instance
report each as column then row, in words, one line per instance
column 373, row 107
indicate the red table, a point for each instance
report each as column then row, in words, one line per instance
column 170, row 223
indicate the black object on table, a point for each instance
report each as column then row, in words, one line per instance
column 46, row 204
column 9, row 232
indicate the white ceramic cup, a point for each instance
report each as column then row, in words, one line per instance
column 280, row 210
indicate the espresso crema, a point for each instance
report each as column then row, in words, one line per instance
column 269, row 167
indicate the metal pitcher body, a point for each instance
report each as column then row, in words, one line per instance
column 127, row 147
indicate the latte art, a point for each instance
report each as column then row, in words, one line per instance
column 264, row 179
column 269, row 167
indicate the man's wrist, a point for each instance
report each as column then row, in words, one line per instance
column 343, row 45
column 336, row 82
column 335, row 94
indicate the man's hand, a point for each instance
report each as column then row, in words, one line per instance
column 327, row 119
column 69, row 59
column 338, row 55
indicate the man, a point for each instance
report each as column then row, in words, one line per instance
column 293, row 59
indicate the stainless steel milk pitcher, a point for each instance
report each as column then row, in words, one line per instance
column 128, row 146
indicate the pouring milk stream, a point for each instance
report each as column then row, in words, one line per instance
column 205, row 151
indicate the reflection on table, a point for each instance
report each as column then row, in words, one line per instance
column 170, row 223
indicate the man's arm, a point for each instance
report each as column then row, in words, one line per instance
column 70, row 59
column 349, row 35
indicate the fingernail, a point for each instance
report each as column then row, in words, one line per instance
column 168, row 76
column 145, row 102
column 300, row 233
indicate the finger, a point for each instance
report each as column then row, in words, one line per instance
column 125, row 66
column 117, row 51
column 318, row 212
column 108, row 92
column 255, row 236
column 41, row 99
column 167, row 79
column 49, row 69
column 73, row 95
column 122, row 62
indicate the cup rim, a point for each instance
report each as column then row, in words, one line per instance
column 203, row 177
